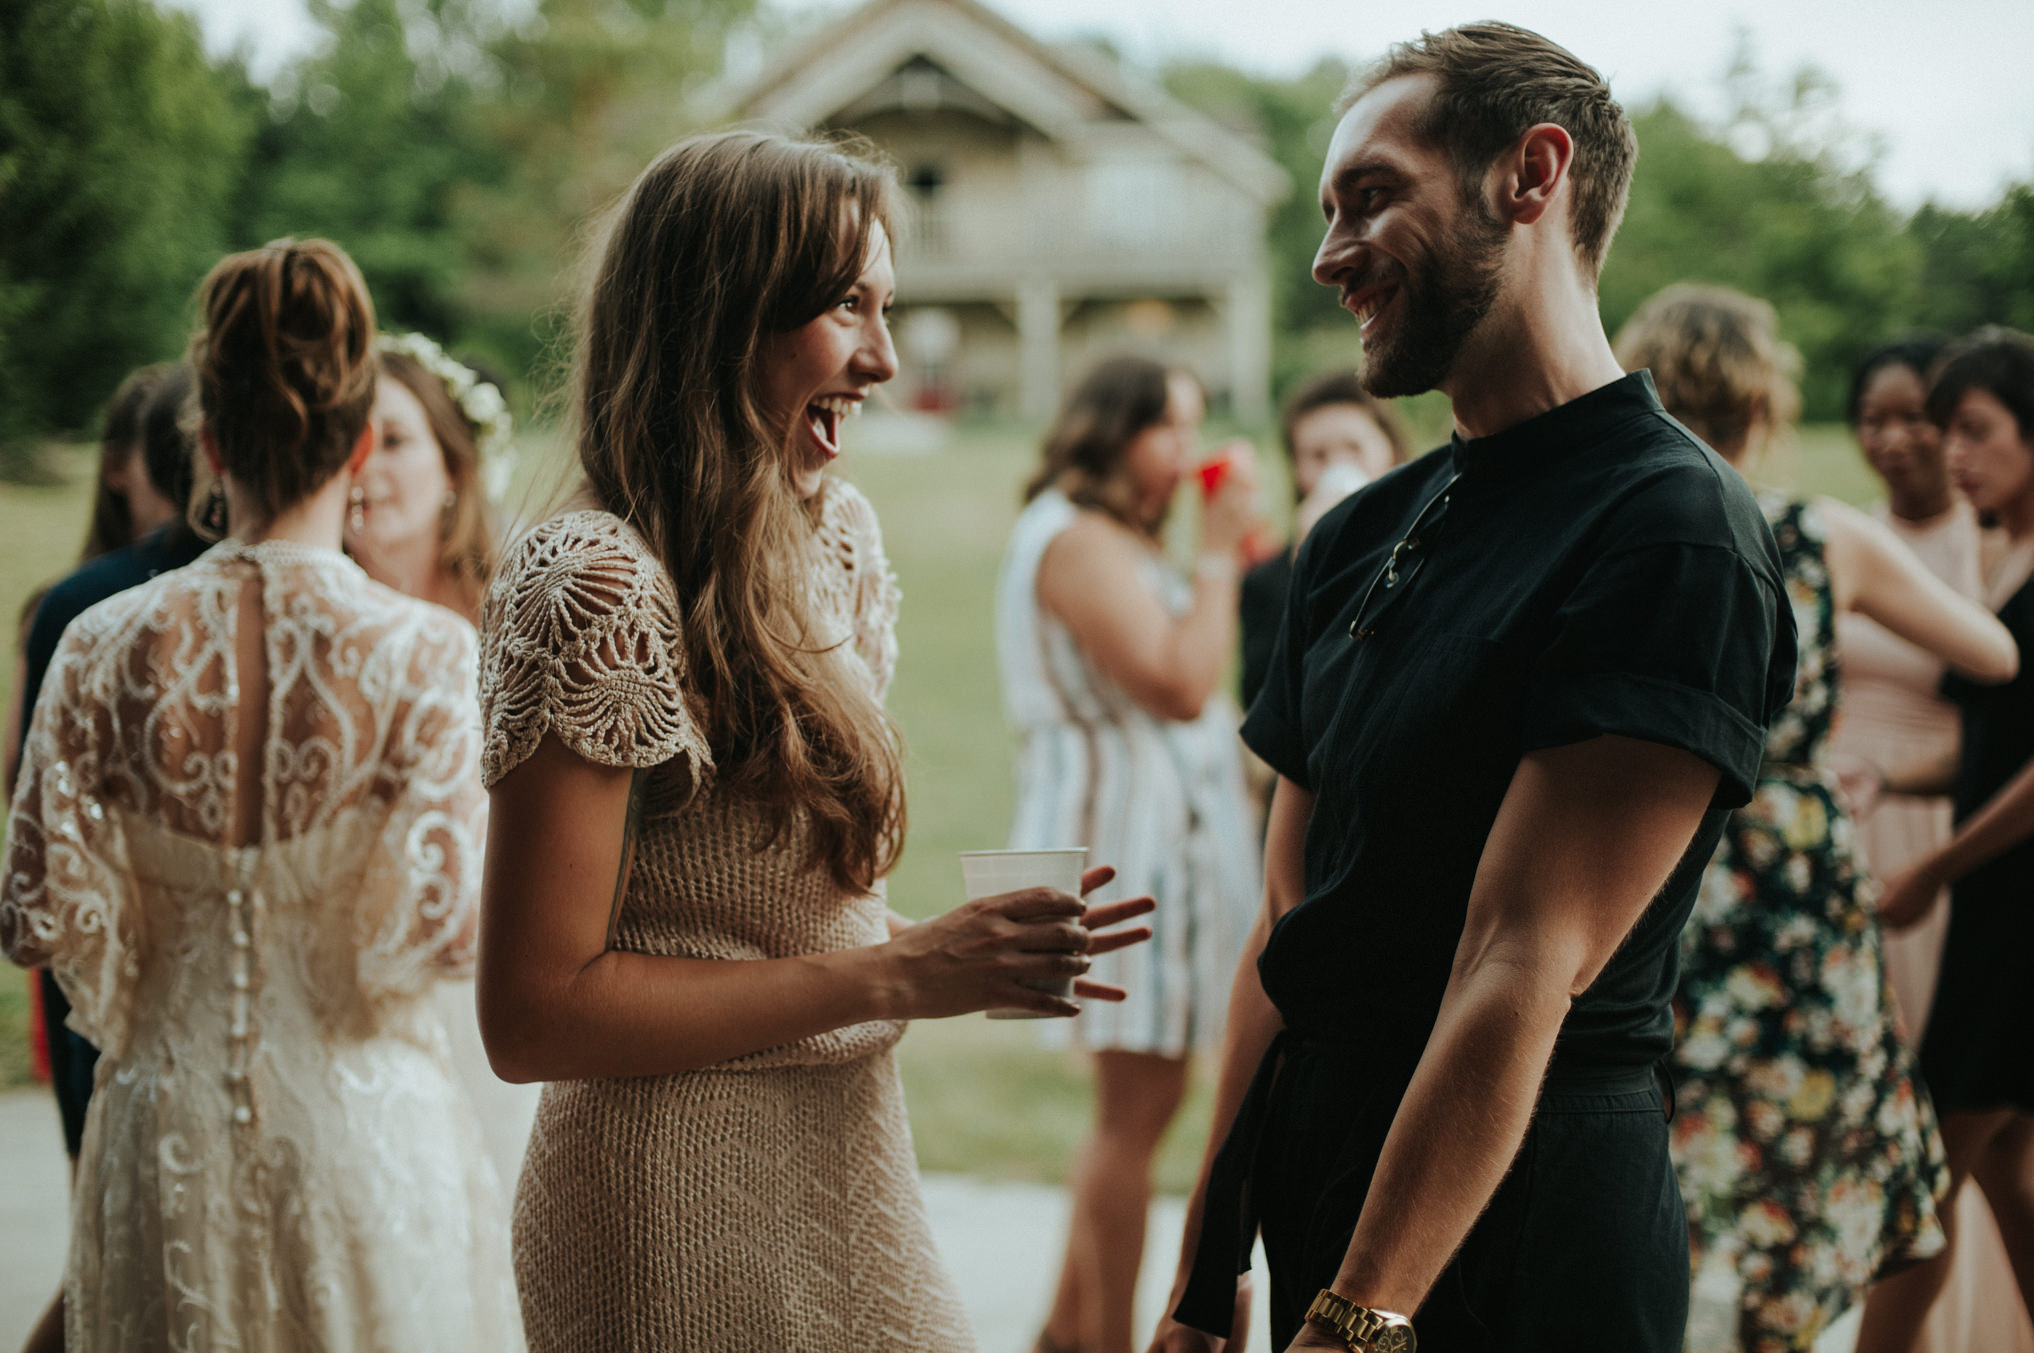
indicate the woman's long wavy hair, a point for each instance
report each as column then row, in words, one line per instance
column 727, row 239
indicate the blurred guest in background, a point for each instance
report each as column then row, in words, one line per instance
column 1112, row 663
column 1894, row 714
column 247, row 840
column 144, row 487
column 1338, row 438
column 420, row 518
column 1809, row 1161
column 125, row 507
column 1975, row 1053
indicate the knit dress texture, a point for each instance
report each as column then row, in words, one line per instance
column 771, row 1201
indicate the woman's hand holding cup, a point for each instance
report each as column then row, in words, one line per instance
column 980, row 955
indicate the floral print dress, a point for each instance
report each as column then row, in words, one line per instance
column 1807, row 1150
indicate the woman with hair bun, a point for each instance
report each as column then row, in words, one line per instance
column 697, row 795
column 1808, row 1158
column 246, row 840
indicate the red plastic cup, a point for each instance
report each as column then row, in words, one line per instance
column 1213, row 471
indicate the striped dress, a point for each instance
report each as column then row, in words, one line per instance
column 1160, row 799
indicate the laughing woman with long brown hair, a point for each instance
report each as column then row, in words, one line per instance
column 696, row 796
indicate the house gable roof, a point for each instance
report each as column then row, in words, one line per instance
column 1060, row 92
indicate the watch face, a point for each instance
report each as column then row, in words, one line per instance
column 1396, row 1339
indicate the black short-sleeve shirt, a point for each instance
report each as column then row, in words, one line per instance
column 1593, row 570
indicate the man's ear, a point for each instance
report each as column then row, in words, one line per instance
column 1534, row 172
column 362, row 449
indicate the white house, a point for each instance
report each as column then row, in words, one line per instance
column 1063, row 209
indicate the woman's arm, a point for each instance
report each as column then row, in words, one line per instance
column 2005, row 821
column 1872, row 573
column 1092, row 579
column 557, row 1004
column 1253, row 1022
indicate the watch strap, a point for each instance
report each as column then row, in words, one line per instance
column 1363, row 1328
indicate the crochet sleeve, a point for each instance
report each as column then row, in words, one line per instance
column 852, row 538
column 580, row 638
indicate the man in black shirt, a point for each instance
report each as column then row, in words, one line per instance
column 1519, row 683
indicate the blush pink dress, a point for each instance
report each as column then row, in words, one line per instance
column 1894, row 714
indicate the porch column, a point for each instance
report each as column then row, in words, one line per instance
column 1038, row 347
column 1249, row 305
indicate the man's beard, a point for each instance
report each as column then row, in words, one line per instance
column 1445, row 297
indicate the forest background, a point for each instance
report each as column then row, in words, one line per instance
column 460, row 156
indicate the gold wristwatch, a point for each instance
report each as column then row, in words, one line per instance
column 1360, row 1327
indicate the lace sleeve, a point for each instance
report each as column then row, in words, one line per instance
column 423, row 875
column 68, row 900
column 580, row 638
column 850, row 534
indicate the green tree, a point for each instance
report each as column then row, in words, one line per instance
column 1790, row 226
column 120, row 144
column 1294, row 118
column 1977, row 267
column 371, row 143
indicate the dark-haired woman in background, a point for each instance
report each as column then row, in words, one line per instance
column 145, row 486
column 1975, row 1054
column 1338, row 437
column 1111, row 663
column 1894, row 714
column 246, row 839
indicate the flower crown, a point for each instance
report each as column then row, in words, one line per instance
column 479, row 401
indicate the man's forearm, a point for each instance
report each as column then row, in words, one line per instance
column 1457, row 1130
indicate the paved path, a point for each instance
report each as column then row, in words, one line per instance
column 1002, row 1240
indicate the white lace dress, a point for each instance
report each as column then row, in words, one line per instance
column 277, row 1156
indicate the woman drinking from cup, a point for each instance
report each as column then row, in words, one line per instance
column 1111, row 665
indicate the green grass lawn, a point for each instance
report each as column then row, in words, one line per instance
column 984, row 1097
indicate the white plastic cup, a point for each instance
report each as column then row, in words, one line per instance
column 987, row 873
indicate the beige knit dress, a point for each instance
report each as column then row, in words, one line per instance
column 770, row 1202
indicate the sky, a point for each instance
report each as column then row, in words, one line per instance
column 1944, row 89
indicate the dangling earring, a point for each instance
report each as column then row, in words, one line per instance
column 356, row 509
column 213, row 518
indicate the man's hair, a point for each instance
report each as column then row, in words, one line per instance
column 1495, row 81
